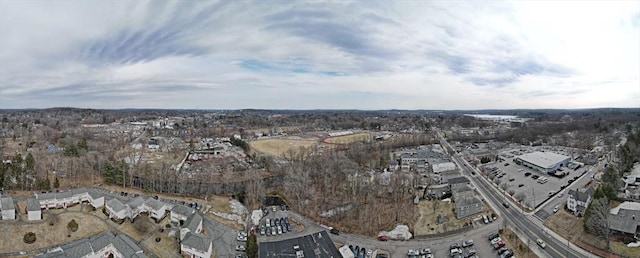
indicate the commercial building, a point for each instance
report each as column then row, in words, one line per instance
column 318, row 244
column 543, row 161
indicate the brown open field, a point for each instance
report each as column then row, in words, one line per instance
column 426, row 222
column 11, row 239
column 279, row 146
column 345, row 139
column 168, row 246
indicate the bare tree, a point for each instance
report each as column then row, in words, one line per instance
column 521, row 197
column 597, row 221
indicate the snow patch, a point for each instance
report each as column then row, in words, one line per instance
column 401, row 232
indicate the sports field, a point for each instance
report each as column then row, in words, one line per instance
column 279, row 146
column 345, row 139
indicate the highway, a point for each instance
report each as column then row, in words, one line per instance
column 516, row 219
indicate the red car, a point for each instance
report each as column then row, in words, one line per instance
column 498, row 245
column 383, row 238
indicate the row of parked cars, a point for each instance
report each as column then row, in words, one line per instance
column 459, row 251
column 360, row 252
column 499, row 245
column 420, row 253
column 241, row 237
column 276, row 226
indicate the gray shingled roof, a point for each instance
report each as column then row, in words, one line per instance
column 197, row 241
column 94, row 194
column 193, row 221
column 46, row 196
column 153, row 203
column 581, row 196
column 6, row 203
column 33, row 204
column 625, row 221
column 458, row 180
column 85, row 246
column 116, row 205
column 136, row 202
column 62, row 195
column 182, row 210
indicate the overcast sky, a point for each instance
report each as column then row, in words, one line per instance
column 319, row 55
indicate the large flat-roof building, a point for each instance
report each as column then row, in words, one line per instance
column 543, row 161
column 318, row 244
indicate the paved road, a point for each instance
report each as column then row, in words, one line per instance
column 524, row 224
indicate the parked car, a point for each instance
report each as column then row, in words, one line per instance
column 240, row 248
column 383, row 238
column 492, row 236
column 454, row 246
column 502, row 250
column 334, row 231
column 467, row 243
column 555, row 209
column 527, row 174
column 520, row 185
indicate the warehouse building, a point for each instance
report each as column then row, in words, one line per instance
column 543, row 161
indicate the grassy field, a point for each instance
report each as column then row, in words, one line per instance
column 279, row 146
column 345, row 139
column 426, row 222
column 11, row 238
column 168, row 246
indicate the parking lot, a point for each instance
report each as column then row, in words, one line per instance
column 521, row 179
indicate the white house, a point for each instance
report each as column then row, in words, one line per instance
column 8, row 208
column 135, row 206
column 116, row 209
column 157, row 209
column 34, row 211
column 196, row 246
column 192, row 225
column 578, row 201
column 67, row 198
column 180, row 213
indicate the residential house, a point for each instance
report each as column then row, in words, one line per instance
column 116, row 209
column 578, row 201
column 157, row 209
column 105, row 244
column 458, row 182
column 8, row 208
column 180, row 213
column 68, row 198
column 196, row 246
column 193, row 224
column 467, row 205
column 625, row 219
column 135, row 207
column 34, row 212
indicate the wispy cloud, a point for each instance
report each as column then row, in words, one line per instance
column 374, row 54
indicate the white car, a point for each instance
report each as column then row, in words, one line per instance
column 541, row 243
column 555, row 209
